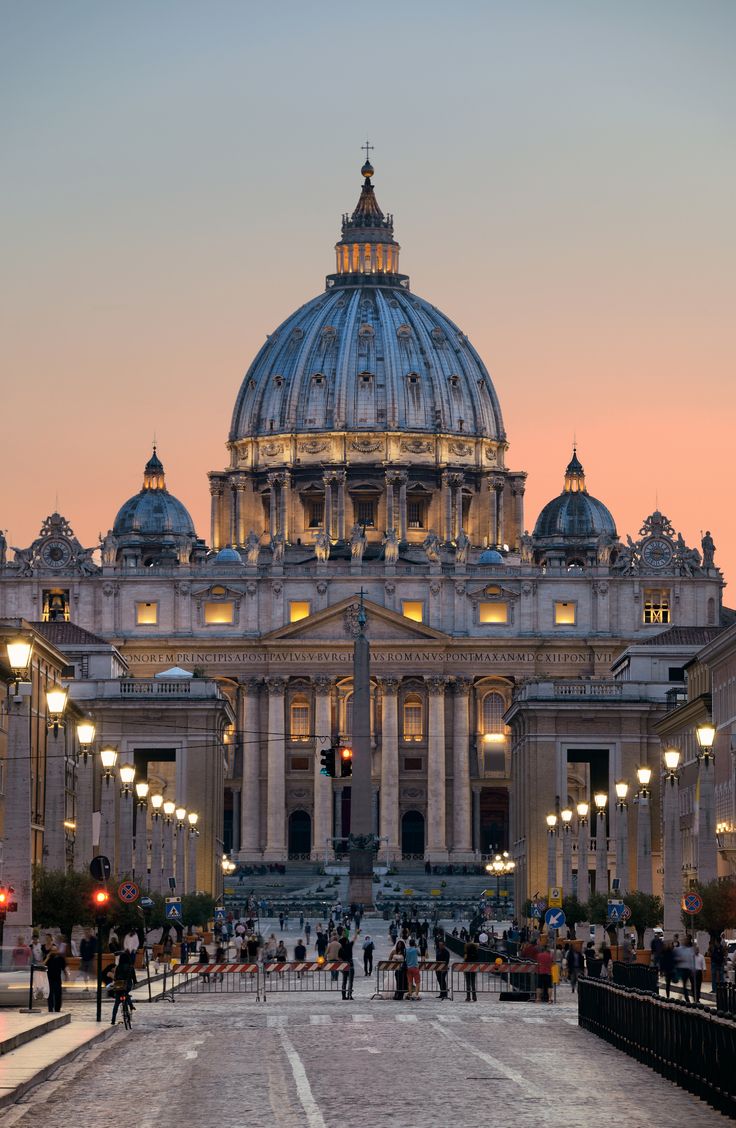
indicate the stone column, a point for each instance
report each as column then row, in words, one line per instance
column 493, row 522
column 456, row 483
column 273, row 518
column 446, row 508
column 476, row 822
column 216, row 491
column 236, row 820
column 517, row 492
column 250, row 826
column 390, row 766
column 285, row 485
column 108, row 811
column 340, row 477
column 461, row 831
column 157, row 854
column 402, row 480
column 672, row 883
column 390, row 519
column 276, row 787
column 601, row 853
column 54, row 839
column 83, row 833
column 583, row 877
column 643, row 843
column 706, row 839
column 327, row 480
column 322, row 820
column 497, row 484
column 124, row 858
column 192, row 866
column 181, row 843
column 436, row 848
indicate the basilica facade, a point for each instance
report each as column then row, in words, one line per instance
column 367, row 453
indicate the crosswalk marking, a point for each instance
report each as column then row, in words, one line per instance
column 406, row 1018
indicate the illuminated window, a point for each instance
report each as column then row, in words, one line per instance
column 299, row 719
column 416, row 509
column 413, row 718
column 298, row 609
column 55, row 606
column 493, row 613
column 656, row 606
column 412, row 609
column 565, row 614
column 316, row 513
column 146, row 614
column 494, row 707
column 220, row 612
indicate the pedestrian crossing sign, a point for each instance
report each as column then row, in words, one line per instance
column 173, row 908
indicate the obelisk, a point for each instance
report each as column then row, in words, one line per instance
column 361, row 843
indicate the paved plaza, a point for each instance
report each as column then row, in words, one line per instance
column 316, row 1061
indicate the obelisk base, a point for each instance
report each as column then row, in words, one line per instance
column 360, row 879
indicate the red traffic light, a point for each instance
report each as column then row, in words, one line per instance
column 101, row 898
column 346, row 753
column 3, row 897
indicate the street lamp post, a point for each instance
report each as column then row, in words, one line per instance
column 193, row 819
column 672, row 843
column 707, row 845
column 551, row 850
column 501, row 866
column 108, row 802
column 566, row 817
column 85, row 773
column 126, row 811
column 643, row 831
column 622, row 840
column 169, row 808
column 157, row 842
column 54, row 838
column 601, row 843
column 17, row 852
column 583, row 840
column 181, row 815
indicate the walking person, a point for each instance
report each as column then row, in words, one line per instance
column 368, row 949
column 545, row 960
column 699, row 972
column 685, row 963
column 413, row 976
column 443, row 958
column 574, row 967
column 470, row 955
column 397, row 955
column 332, row 953
column 345, row 954
column 717, row 963
column 667, row 966
column 55, row 968
column 87, row 953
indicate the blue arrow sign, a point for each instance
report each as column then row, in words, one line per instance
column 173, row 909
column 554, row 918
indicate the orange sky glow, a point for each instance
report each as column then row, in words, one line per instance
column 562, row 178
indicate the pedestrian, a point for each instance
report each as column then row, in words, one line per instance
column 699, row 971
column 368, row 949
column 470, row 956
column 220, row 958
column 124, row 981
column 685, row 964
column 301, row 918
column 574, row 967
column 397, row 955
column 307, row 932
column 667, row 966
column 55, row 968
column 251, row 945
column 345, row 954
column 657, row 947
column 281, row 954
column 332, row 952
column 281, row 922
column 131, row 943
column 545, row 960
column 589, row 958
column 300, row 951
column 87, row 953
column 443, row 958
column 413, row 976
column 607, row 957
column 321, row 942
column 204, row 958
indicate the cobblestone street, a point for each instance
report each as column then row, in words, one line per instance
column 319, row 1062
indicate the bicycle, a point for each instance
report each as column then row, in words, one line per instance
column 126, row 1009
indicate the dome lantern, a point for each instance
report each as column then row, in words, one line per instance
column 575, row 475
column 153, row 474
column 367, row 245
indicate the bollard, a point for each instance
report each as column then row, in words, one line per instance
column 30, row 1009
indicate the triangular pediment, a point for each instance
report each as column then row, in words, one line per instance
column 334, row 624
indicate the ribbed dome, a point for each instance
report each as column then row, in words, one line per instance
column 153, row 511
column 367, row 354
column 574, row 513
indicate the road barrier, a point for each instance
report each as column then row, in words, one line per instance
column 391, row 979
column 222, row 978
column 495, row 978
column 726, row 999
column 310, row 975
column 641, row 976
column 690, row 1045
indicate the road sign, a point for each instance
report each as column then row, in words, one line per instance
column 147, row 902
column 540, row 905
column 173, row 908
column 616, row 911
column 536, row 914
column 219, row 914
column 128, row 892
column 554, row 918
column 627, row 913
column 692, row 903
column 555, row 897
column 99, row 867
column 408, row 892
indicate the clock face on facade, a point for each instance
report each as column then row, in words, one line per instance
column 657, row 553
column 56, row 553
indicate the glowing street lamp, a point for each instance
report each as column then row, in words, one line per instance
column 56, row 699
column 108, row 759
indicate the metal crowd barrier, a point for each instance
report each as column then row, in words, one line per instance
column 309, row 975
column 223, row 978
column 726, row 999
column 641, row 976
column 391, row 980
column 491, row 978
column 690, row 1045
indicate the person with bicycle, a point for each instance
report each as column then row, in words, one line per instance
column 124, row 981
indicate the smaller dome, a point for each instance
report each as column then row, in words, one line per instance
column 153, row 511
column 228, row 556
column 574, row 514
column 490, row 556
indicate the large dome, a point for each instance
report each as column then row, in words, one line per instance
column 367, row 354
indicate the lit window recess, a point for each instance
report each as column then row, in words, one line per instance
column 146, row 614
column 494, row 613
column 656, row 606
column 494, row 737
column 413, row 609
column 565, row 614
column 222, row 613
column 298, row 609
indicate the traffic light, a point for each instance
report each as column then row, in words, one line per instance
column 4, row 902
column 101, row 902
column 346, row 761
column 327, row 760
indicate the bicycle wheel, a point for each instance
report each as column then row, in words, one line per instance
column 126, row 1014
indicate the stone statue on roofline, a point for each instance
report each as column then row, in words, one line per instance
column 252, row 548
column 322, row 546
column 358, row 541
column 390, row 546
column 462, row 544
column 431, row 547
column 278, row 547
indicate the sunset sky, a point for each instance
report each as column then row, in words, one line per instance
column 562, row 177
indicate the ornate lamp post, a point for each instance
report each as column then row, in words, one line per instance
column 157, row 841
column 566, row 817
column 85, row 736
column 127, row 779
column 169, row 808
column 57, row 770
column 643, row 831
column 707, row 845
column 583, row 840
column 672, row 843
column 601, row 843
column 193, row 819
column 622, row 840
column 17, row 851
column 181, row 815
column 551, row 850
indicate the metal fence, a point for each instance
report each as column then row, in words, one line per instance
column 491, row 978
column 310, row 975
column 641, row 976
column 726, row 999
column 391, row 979
column 214, row 979
column 690, row 1045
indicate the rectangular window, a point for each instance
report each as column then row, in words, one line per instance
column 316, row 511
column 656, row 606
column 565, row 614
column 146, row 614
column 300, row 763
column 299, row 720
column 676, row 674
column 494, row 613
column 412, row 609
column 365, row 513
column 298, row 609
column 412, row 763
column 415, row 514
column 222, row 613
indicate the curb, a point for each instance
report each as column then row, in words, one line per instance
column 46, row 1071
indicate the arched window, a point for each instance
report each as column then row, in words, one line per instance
column 346, row 728
column 494, row 708
column 413, row 729
column 299, row 719
column 711, row 614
